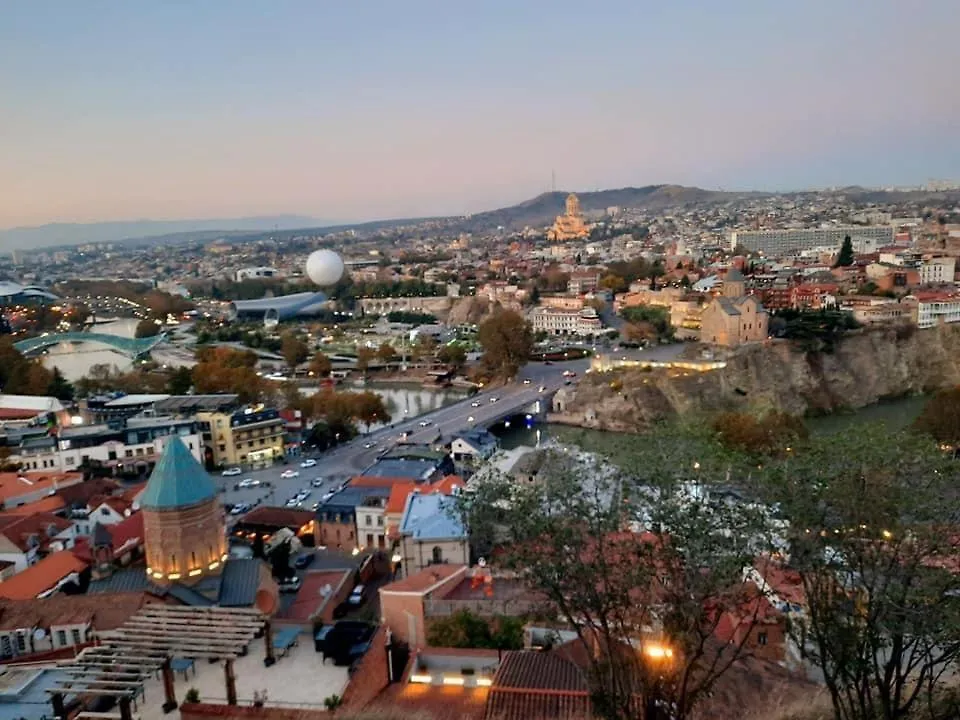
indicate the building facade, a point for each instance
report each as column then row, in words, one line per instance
column 245, row 437
column 555, row 321
column 775, row 243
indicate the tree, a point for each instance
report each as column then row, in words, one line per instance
column 293, row 349
column 320, row 365
column 364, row 356
column 180, row 381
column 637, row 558
column 941, row 417
column 225, row 370
column 845, row 257
column 453, row 355
column 773, row 434
column 368, row 407
column 386, row 353
column 873, row 538
column 147, row 328
column 614, row 283
column 59, row 387
column 20, row 375
column 507, row 342
column 463, row 629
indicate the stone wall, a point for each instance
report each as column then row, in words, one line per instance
column 180, row 540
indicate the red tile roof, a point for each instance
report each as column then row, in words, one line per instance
column 425, row 579
column 43, row 576
column 28, row 530
column 398, row 496
column 14, row 485
column 51, row 504
column 105, row 612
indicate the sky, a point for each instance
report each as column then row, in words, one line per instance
column 349, row 110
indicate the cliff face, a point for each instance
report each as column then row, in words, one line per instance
column 867, row 366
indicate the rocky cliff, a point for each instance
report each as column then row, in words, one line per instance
column 867, row 366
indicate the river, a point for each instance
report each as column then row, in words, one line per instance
column 895, row 414
column 75, row 360
column 405, row 401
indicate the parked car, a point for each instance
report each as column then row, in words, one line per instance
column 344, row 641
column 541, row 388
column 290, row 585
column 303, row 560
column 240, row 508
column 248, row 482
column 293, row 502
column 230, row 472
column 494, row 399
column 287, row 474
column 370, row 444
column 309, row 463
column 357, row 596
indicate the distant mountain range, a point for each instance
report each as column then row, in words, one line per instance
column 65, row 234
column 535, row 212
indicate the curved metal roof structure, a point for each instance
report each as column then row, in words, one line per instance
column 279, row 308
column 134, row 347
column 12, row 293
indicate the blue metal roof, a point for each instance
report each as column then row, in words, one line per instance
column 432, row 517
column 178, row 480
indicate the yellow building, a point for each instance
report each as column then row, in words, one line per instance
column 245, row 437
column 570, row 225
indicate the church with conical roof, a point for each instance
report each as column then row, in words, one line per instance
column 187, row 558
column 182, row 520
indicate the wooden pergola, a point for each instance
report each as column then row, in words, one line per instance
column 126, row 657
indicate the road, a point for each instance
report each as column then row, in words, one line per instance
column 335, row 466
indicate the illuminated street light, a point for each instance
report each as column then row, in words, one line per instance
column 656, row 651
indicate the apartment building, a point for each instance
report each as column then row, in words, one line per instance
column 555, row 321
column 776, row 243
column 253, row 436
column 937, row 308
column 938, row 271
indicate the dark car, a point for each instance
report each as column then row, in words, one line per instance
column 344, row 641
column 303, row 561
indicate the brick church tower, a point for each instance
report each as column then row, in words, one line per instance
column 182, row 519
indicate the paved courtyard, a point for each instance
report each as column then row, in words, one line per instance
column 299, row 679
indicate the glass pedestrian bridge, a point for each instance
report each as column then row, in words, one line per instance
column 132, row 347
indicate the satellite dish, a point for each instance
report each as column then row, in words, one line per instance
column 126, row 513
column 39, row 634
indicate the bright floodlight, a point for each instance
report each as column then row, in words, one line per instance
column 324, row 267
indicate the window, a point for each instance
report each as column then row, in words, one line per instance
column 61, row 638
column 193, row 559
column 379, row 520
column 5, row 647
column 22, row 641
column 76, row 636
column 369, row 520
column 437, row 555
column 762, row 639
column 173, row 562
column 369, row 540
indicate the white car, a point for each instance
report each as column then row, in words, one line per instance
column 470, row 419
column 230, row 472
column 426, row 423
column 287, row 474
column 308, row 463
column 542, row 388
column 475, row 403
column 248, row 482
column 494, row 399
column 526, row 381
column 293, row 502
column 356, row 597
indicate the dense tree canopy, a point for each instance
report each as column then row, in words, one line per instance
column 293, row 349
column 507, row 342
column 941, row 417
column 225, row 370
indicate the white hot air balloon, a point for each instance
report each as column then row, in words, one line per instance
column 324, row 267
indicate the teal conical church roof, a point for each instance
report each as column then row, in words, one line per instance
column 178, row 480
